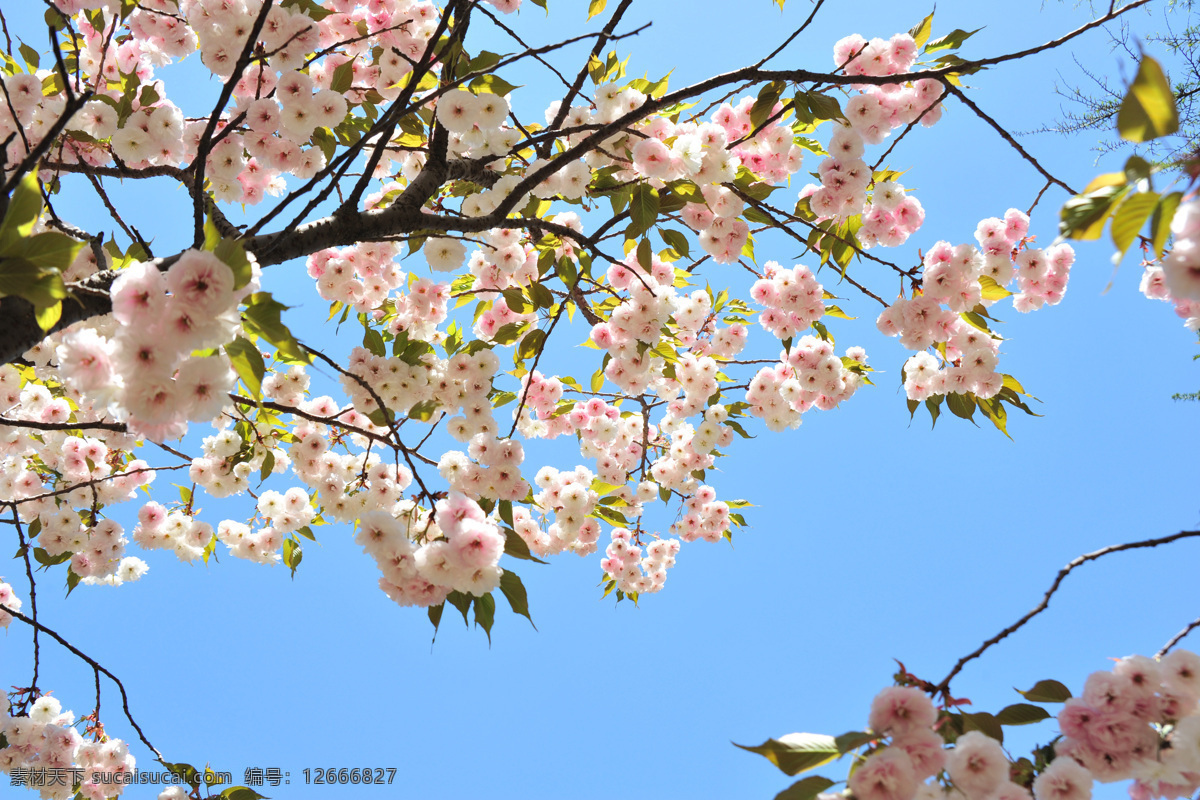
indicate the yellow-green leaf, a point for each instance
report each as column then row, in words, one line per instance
column 797, row 752
column 1160, row 223
column 920, row 32
column 992, row 290
column 24, row 207
column 1148, row 110
column 805, row 789
column 48, row 316
column 248, row 363
column 643, row 208
column 262, row 318
column 1083, row 216
column 40, row 285
column 768, row 96
column 1129, row 218
column 48, row 250
column 596, row 7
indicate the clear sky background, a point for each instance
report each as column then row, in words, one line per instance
column 872, row 537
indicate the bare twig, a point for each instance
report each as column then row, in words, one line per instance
column 1177, row 638
column 944, row 686
column 33, row 687
column 564, row 106
column 1004, row 134
column 206, row 142
column 96, row 667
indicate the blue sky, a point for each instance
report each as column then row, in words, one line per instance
column 872, row 537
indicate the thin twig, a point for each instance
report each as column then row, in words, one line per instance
column 795, row 33
column 1005, row 135
column 1177, row 638
column 96, row 667
column 33, row 687
column 564, row 105
column 944, row 686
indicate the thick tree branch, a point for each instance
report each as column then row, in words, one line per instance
column 19, row 330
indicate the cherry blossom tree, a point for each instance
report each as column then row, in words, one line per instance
column 347, row 135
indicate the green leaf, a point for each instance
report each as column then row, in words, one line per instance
column 532, row 344
column 48, row 316
column 514, row 592
column 32, row 59
column 676, row 241
column 565, row 269
column 435, row 615
column 951, row 40
column 1137, row 169
column 248, row 363
column 596, row 7
column 836, row 311
column 768, row 96
column 47, row 560
column 147, row 96
column 293, row 554
column 233, row 254
column 805, row 789
column 1047, row 691
column 309, row 7
column 506, row 512
column 55, row 19
column 1160, row 223
column 343, row 77
column 984, row 723
column 462, row 602
column 517, row 547
column 645, row 256
column 1022, row 714
column 241, row 793
column 49, row 250
column 268, row 466
column 823, row 106
column 920, row 32
column 541, row 296
column 643, row 209
column 24, row 207
column 1084, row 215
column 373, row 341
column 40, row 285
column 853, row 740
column 1129, row 218
column 262, row 318
column 1148, row 110
column 485, row 614
column 993, row 409
column 423, row 411
column 515, row 300
column 961, row 405
column 484, row 61
column 1014, row 384
column 797, row 752
column 752, row 214
column 492, row 84
column 186, row 772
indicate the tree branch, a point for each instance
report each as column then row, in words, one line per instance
column 96, row 667
column 944, row 686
